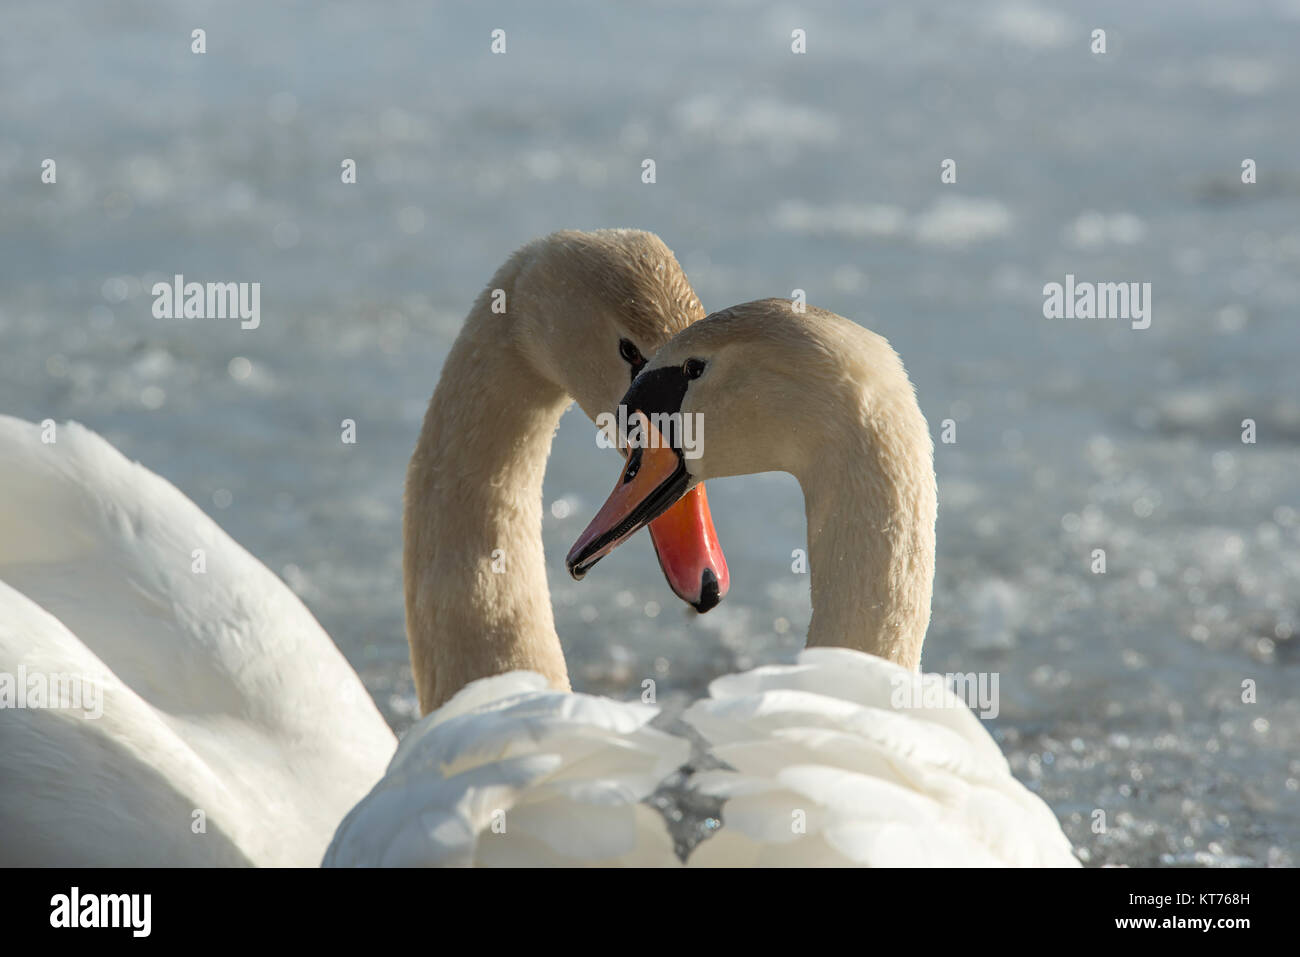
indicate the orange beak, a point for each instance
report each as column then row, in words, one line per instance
column 689, row 552
column 655, row 489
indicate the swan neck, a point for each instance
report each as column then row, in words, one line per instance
column 477, row 601
column 871, row 507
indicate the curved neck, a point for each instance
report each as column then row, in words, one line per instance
column 871, row 505
column 477, row 601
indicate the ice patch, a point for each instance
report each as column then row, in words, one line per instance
column 764, row 119
column 958, row 220
column 853, row 220
column 1030, row 26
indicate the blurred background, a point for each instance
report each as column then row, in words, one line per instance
column 1120, row 692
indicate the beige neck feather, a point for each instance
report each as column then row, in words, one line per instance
column 871, row 504
column 477, row 601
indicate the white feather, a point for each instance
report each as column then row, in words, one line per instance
column 831, row 767
column 509, row 772
column 223, row 695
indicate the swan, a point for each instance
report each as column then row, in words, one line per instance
column 232, row 731
column 508, row 765
column 581, row 311
column 848, row 756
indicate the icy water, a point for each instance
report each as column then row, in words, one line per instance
column 1120, row 692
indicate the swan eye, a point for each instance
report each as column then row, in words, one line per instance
column 630, row 353
column 693, row 368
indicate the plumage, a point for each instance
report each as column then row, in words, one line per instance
column 830, row 767
column 221, row 693
column 511, row 772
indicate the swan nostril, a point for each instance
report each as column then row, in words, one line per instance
column 709, row 597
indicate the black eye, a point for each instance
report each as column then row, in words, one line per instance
column 630, row 353
column 693, row 368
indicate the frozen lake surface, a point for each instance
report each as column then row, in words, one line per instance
column 1120, row 692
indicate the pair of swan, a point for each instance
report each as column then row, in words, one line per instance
column 230, row 730
column 226, row 697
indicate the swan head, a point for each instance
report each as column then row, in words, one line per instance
column 758, row 387
column 595, row 306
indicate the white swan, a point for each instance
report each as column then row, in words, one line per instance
column 511, row 767
column 581, row 309
column 842, row 758
column 232, row 729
